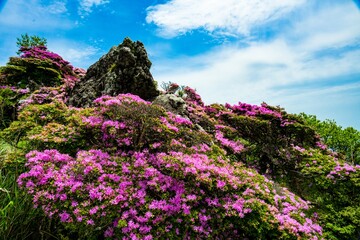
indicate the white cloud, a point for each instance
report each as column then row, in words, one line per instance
column 78, row 54
column 33, row 14
column 309, row 54
column 87, row 5
column 57, row 7
column 252, row 74
column 230, row 17
column 32, row 17
column 334, row 27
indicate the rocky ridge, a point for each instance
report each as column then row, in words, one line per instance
column 124, row 69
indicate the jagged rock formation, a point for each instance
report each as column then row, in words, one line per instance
column 124, row 69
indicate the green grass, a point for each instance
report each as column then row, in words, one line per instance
column 18, row 218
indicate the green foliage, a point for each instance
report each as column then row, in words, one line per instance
column 7, row 112
column 18, row 217
column 9, row 98
column 286, row 148
column 17, row 214
column 332, row 186
column 26, row 42
column 50, row 125
column 31, row 73
column 342, row 140
column 269, row 144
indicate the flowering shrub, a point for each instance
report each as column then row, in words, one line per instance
column 330, row 183
column 192, row 96
column 33, row 70
column 44, row 95
column 175, row 195
column 153, row 175
column 269, row 134
column 37, row 67
column 234, row 146
column 284, row 148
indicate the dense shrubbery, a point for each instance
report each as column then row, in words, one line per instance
column 128, row 169
column 37, row 67
column 9, row 101
column 151, row 170
column 344, row 141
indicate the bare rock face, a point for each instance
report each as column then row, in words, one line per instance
column 124, row 69
column 172, row 103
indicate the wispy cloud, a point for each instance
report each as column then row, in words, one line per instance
column 30, row 16
column 56, row 7
column 78, row 54
column 228, row 17
column 318, row 48
column 86, row 6
column 333, row 27
column 34, row 14
column 254, row 73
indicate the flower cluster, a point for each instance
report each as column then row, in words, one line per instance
column 147, row 196
column 44, row 95
column 235, row 146
column 16, row 90
column 343, row 170
column 253, row 110
column 118, row 100
column 192, row 96
column 41, row 52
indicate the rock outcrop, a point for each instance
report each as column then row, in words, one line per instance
column 124, row 69
column 172, row 103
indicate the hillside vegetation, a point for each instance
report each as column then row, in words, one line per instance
column 126, row 168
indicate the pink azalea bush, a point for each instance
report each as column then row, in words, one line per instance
column 282, row 147
column 148, row 196
column 143, row 173
column 69, row 74
column 38, row 67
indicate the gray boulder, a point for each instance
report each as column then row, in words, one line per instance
column 172, row 103
column 124, row 69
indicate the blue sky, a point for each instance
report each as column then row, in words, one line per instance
column 303, row 55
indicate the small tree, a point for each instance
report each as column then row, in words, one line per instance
column 25, row 42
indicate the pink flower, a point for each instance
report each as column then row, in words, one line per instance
column 93, row 210
column 90, row 222
column 220, row 184
column 64, row 217
column 109, row 232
